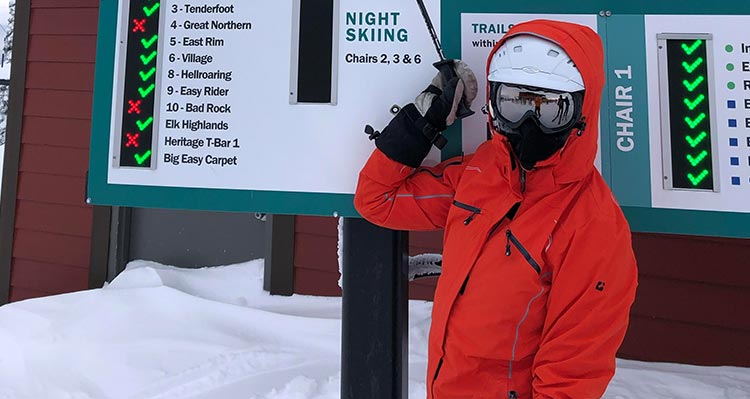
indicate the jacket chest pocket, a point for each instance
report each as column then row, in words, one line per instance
column 502, row 299
column 469, row 211
column 512, row 242
column 510, row 264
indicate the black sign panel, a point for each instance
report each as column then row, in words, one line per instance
column 140, row 84
column 690, row 114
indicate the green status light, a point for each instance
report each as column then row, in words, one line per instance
column 694, row 103
column 690, row 116
column 692, row 67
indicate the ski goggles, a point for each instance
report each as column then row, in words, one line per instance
column 554, row 111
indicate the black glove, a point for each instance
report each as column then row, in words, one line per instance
column 412, row 132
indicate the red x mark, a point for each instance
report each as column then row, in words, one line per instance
column 132, row 140
column 140, row 25
column 135, row 106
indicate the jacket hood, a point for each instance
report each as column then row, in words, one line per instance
column 576, row 159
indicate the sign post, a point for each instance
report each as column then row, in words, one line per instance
column 375, row 314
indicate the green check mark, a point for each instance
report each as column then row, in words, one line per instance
column 142, row 158
column 691, row 86
column 695, row 122
column 696, row 160
column 143, row 125
column 697, row 180
column 147, row 59
column 694, row 103
column 692, row 67
column 145, row 92
column 695, row 141
column 150, row 42
column 151, row 10
column 147, row 75
column 689, row 50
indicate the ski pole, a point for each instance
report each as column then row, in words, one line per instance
column 444, row 66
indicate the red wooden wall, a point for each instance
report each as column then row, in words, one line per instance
column 691, row 306
column 693, row 301
column 316, row 270
column 52, row 237
column 316, row 262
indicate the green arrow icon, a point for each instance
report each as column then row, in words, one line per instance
column 151, row 10
column 147, row 75
column 694, row 103
column 695, row 141
column 692, row 67
column 147, row 60
column 142, row 158
column 697, row 180
column 691, row 49
column 696, row 160
column 143, row 125
column 150, row 42
column 145, row 92
column 695, row 122
column 694, row 84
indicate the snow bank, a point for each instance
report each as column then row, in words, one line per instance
column 162, row 332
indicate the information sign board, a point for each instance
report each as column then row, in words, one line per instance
column 260, row 106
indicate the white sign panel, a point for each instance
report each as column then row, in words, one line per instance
column 727, row 138
column 232, row 92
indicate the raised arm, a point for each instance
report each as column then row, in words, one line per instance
column 399, row 197
column 393, row 191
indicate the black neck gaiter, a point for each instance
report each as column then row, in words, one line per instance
column 531, row 145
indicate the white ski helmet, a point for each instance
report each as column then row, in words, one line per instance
column 533, row 61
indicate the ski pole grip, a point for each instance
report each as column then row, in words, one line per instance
column 445, row 67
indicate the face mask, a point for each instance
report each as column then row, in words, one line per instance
column 531, row 145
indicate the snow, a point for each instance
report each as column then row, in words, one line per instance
column 162, row 332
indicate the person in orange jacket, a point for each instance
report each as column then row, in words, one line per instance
column 538, row 269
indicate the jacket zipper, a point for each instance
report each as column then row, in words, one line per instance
column 523, row 180
column 509, row 216
column 511, row 239
column 474, row 211
column 463, row 286
column 437, row 372
column 466, row 280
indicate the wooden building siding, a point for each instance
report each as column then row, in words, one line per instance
column 691, row 305
column 316, row 261
column 315, row 256
column 692, row 301
column 52, row 239
column 424, row 243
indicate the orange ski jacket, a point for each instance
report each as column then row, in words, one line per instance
column 538, row 269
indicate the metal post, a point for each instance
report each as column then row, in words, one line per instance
column 374, row 360
column 119, row 241
column 278, row 276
